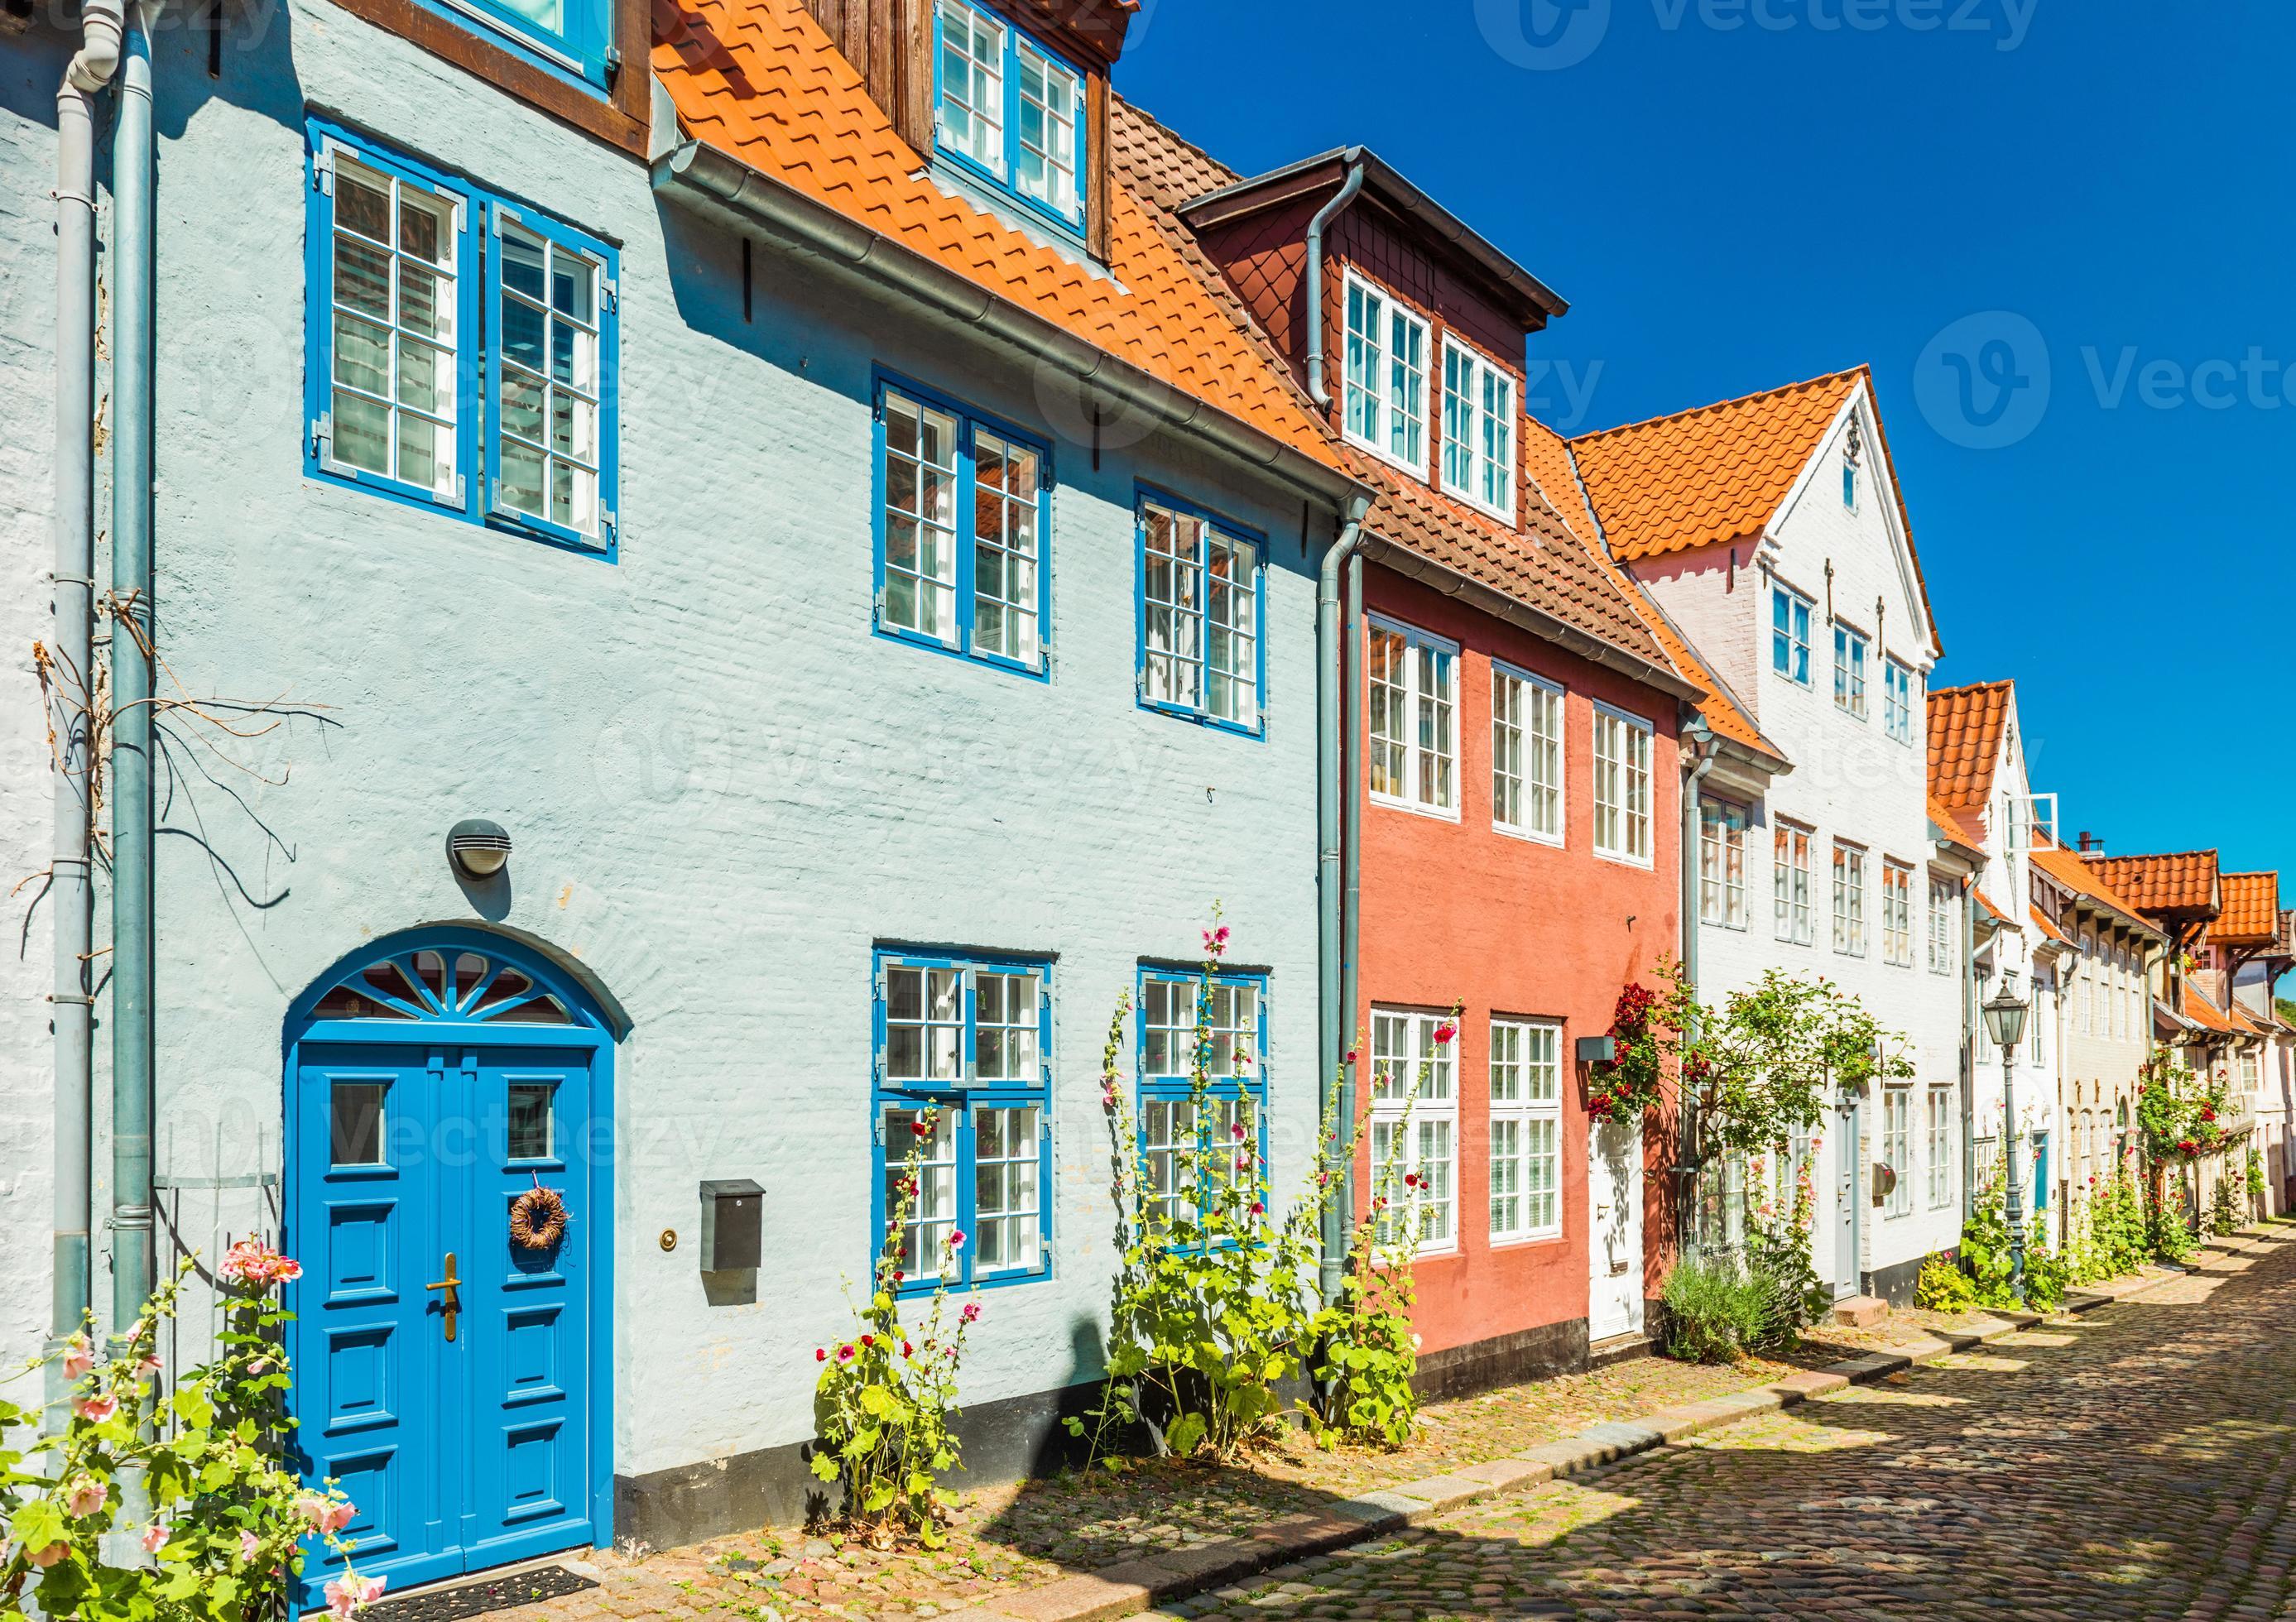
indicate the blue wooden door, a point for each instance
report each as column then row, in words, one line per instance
column 445, row 1372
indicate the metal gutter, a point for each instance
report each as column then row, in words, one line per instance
column 1318, row 390
column 1491, row 601
column 1699, row 739
column 726, row 187
column 1336, row 1077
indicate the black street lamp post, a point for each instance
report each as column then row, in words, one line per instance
column 2004, row 1021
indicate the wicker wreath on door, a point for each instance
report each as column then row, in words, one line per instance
column 537, row 1219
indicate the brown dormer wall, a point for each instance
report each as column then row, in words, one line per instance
column 1379, row 245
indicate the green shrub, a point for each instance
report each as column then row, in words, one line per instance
column 1716, row 1311
column 2259, row 1204
column 1944, row 1287
column 2046, row 1277
column 2224, row 1207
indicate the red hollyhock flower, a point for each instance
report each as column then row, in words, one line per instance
column 1444, row 1033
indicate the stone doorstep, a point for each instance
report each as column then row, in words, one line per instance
column 1135, row 1585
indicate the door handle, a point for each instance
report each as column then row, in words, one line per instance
column 453, row 1304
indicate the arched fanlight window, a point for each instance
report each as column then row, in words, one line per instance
column 431, row 985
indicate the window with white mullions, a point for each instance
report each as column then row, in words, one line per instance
column 1898, row 1146
column 1044, row 166
column 1898, row 699
column 1944, row 901
column 1790, row 614
column 972, row 113
column 1414, row 1127
column 1848, row 899
column 1790, row 873
column 1004, row 494
column 1384, row 384
column 1622, row 786
column 1897, row 913
column 1199, row 622
column 961, row 1073
column 1848, row 671
column 1526, row 755
column 920, row 518
column 1722, row 864
column 1939, row 1120
column 961, row 530
column 1413, row 696
column 546, row 455
column 396, row 310
column 1478, row 430
column 1526, row 1105
column 1175, row 1139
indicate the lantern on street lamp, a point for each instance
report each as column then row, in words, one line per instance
column 2004, row 1021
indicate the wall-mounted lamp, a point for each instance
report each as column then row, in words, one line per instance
column 477, row 847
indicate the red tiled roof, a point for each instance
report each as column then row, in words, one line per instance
column 2074, row 873
column 760, row 81
column 1986, row 901
column 1966, row 724
column 1547, row 458
column 2251, row 910
column 2184, row 882
column 2048, row 929
column 2202, row 1013
column 1711, row 475
column 1954, row 825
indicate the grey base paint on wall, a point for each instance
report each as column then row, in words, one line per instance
column 1895, row 1283
column 1529, row 1354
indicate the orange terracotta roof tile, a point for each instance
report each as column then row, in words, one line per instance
column 1964, row 727
column 2080, row 877
column 1547, row 459
column 1715, row 474
column 1956, row 826
column 2251, row 910
column 760, row 81
column 2185, row 882
column 2048, row 929
column 2204, row 1013
column 1986, row 901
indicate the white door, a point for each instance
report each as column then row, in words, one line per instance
column 1614, row 1251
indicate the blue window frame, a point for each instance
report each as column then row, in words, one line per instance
column 1849, row 485
column 1790, row 633
column 464, row 349
column 570, row 39
column 1200, row 615
column 1172, row 1129
column 1010, row 110
column 962, row 1066
column 964, row 529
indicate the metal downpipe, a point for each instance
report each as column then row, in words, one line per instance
column 132, row 971
column 1318, row 390
column 71, row 703
column 1332, row 767
column 1705, row 746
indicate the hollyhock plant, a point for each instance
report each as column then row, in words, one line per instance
column 228, row 1523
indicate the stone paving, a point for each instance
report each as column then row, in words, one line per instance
column 2136, row 1462
column 2131, row 1463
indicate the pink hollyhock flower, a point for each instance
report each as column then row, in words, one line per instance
column 1444, row 1033
column 956, row 1239
column 971, row 1313
column 320, row 1515
column 97, row 1408
column 259, row 1365
column 250, row 1546
column 155, row 1538
column 78, row 1359
column 351, row 1592
column 1258, row 1209
column 844, row 1354
column 146, row 1367
column 1350, row 1058
column 250, row 1261
column 84, row 1496
column 1237, row 1132
column 49, row 1556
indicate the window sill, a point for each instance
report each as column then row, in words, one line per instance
column 1000, row 1281
column 1523, row 1241
column 1182, row 712
column 1643, row 864
column 1553, row 841
column 988, row 661
column 1433, row 813
column 1717, row 923
column 1424, row 472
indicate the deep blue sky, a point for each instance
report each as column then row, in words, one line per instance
column 1730, row 210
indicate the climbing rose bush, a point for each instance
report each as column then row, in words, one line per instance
column 885, row 1403
column 229, row 1518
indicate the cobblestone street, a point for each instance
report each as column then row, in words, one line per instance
column 2135, row 1463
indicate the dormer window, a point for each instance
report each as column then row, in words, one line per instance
column 1478, row 432
column 1386, row 377
column 1009, row 110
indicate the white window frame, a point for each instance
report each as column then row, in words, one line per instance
column 1619, row 835
column 1897, row 913
column 1897, row 1148
column 1940, row 1124
column 1397, row 1101
column 1527, row 754
column 1850, row 645
column 1482, row 376
column 1722, row 862
column 1898, row 699
column 1794, row 636
column 1374, row 382
column 1063, row 113
column 1425, row 714
column 1793, row 916
column 1526, row 1093
column 1944, row 900
column 1849, row 933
